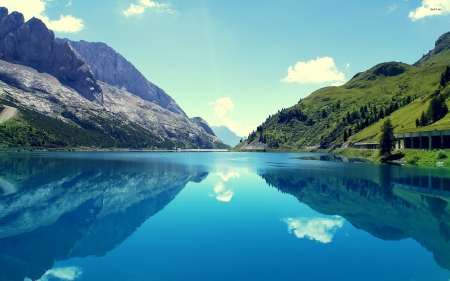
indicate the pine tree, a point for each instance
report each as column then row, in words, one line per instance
column 437, row 109
column 423, row 119
column 387, row 138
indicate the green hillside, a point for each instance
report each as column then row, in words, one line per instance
column 357, row 109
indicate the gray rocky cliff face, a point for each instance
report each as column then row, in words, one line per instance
column 43, row 93
column 202, row 123
column 112, row 68
column 31, row 43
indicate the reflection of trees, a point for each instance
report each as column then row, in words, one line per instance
column 75, row 208
column 366, row 197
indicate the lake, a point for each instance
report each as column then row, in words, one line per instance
column 220, row 216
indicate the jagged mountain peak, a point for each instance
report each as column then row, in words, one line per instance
column 32, row 44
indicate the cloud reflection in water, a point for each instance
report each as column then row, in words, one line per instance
column 62, row 273
column 319, row 229
column 222, row 192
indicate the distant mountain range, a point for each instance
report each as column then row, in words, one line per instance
column 72, row 94
column 226, row 135
column 355, row 111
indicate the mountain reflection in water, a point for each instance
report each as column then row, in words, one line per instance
column 65, row 214
column 56, row 209
column 378, row 200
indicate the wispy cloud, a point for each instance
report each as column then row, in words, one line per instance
column 142, row 5
column 319, row 229
column 222, row 106
column 430, row 8
column 227, row 176
column 321, row 70
column 36, row 8
column 392, row 8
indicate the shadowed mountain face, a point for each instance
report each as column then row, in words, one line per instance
column 87, row 208
column 378, row 200
column 32, row 44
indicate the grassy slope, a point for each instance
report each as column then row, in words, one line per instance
column 364, row 89
column 404, row 119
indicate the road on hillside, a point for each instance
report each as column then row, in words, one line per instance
column 7, row 113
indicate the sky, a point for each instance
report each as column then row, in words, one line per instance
column 236, row 62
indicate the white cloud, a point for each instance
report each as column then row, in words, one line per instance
column 319, row 229
column 229, row 175
column 222, row 106
column 67, row 24
column 69, row 4
column 142, row 5
column 347, row 65
column 392, row 8
column 36, row 8
column 64, row 273
column 336, row 84
column 430, row 8
column 223, row 193
column 314, row 71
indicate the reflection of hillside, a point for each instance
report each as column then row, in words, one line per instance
column 366, row 198
column 77, row 208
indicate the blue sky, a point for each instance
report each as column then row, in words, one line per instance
column 235, row 62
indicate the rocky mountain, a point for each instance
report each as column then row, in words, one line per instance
column 226, row 135
column 355, row 111
column 32, row 44
column 112, row 68
column 57, row 90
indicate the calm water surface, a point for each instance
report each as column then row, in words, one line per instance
column 220, row 216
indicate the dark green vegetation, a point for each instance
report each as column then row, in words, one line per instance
column 387, row 138
column 32, row 130
column 355, row 112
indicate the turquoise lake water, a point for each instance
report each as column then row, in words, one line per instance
column 220, row 216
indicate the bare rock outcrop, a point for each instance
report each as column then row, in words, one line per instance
column 112, row 68
column 32, row 44
column 203, row 124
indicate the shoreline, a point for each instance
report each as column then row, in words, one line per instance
column 407, row 157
